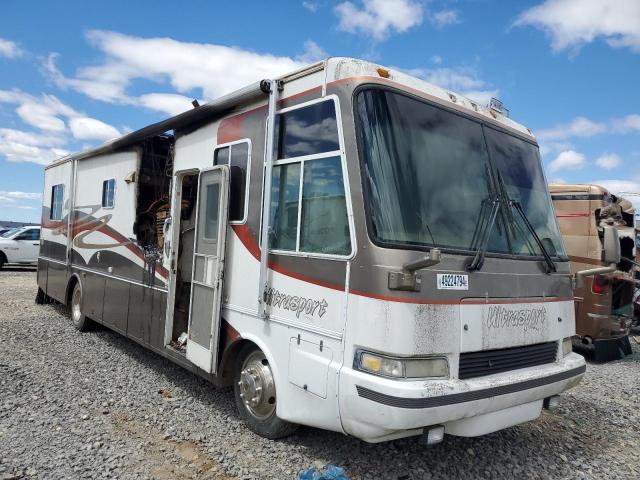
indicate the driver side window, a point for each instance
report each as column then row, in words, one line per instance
column 308, row 203
column 32, row 234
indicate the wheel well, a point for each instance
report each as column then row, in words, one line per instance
column 70, row 286
column 3, row 258
column 230, row 358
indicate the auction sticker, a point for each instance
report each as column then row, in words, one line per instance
column 453, row 281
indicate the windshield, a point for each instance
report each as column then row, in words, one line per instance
column 428, row 177
column 9, row 232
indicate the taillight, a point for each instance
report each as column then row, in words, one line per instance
column 600, row 284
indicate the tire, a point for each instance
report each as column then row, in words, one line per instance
column 79, row 320
column 255, row 395
column 3, row 260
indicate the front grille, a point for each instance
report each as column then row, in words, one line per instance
column 487, row 362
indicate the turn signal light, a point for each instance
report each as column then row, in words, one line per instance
column 399, row 367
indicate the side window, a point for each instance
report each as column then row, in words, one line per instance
column 308, row 202
column 108, row 193
column 307, row 130
column 31, row 234
column 236, row 156
column 57, row 198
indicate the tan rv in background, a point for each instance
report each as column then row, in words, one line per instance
column 603, row 302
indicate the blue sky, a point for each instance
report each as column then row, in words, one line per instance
column 77, row 73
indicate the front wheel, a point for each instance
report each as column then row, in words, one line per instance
column 255, row 394
column 79, row 320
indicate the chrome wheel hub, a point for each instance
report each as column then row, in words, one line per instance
column 257, row 388
column 76, row 300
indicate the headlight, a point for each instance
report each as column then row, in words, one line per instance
column 393, row 367
column 567, row 346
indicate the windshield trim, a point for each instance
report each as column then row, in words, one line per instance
column 398, row 245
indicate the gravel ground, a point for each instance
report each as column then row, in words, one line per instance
column 96, row 405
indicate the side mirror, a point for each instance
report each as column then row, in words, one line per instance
column 611, row 245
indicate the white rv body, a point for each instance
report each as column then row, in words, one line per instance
column 325, row 308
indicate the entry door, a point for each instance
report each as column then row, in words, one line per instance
column 208, row 267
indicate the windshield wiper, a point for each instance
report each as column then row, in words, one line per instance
column 551, row 266
column 485, row 229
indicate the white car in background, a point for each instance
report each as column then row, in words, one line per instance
column 20, row 245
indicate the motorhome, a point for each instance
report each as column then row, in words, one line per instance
column 604, row 302
column 350, row 247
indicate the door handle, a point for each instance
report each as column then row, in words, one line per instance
column 37, row 243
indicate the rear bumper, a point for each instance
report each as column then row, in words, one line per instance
column 377, row 409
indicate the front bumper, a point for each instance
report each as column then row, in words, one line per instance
column 377, row 409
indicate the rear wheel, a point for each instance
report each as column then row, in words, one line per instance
column 255, row 394
column 3, row 259
column 79, row 320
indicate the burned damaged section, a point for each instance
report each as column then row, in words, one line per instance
column 154, row 189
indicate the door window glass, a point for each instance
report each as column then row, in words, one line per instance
column 57, row 197
column 211, row 211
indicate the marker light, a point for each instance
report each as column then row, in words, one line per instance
column 567, row 346
column 383, row 72
column 600, row 284
column 430, row 367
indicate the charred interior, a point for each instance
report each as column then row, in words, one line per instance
column 154, row 189
column 185, row 225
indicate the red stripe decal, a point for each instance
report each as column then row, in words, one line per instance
column 573, row 215
column 247, row 239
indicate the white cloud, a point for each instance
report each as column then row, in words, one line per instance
column 18, row 200
column 312, row 53
column 584, row 128
column 609, row 161
column 547, row 147
column 557, row 180
column 464, row 81
column 481, row 97
column 379, row 18
column 206, row 70
column 567, row 160
column 12, row 196
column 42, row 112
column 19, row 152
column 30, row 138
column 436, row 59
column 9, row 49
column 85, row 128
column 311, row 6
column 578, row 127
column 622, row 187
column 169, row 103
column 50, row 116
column 628, row 124
column 574, row 23
column 443, row 18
